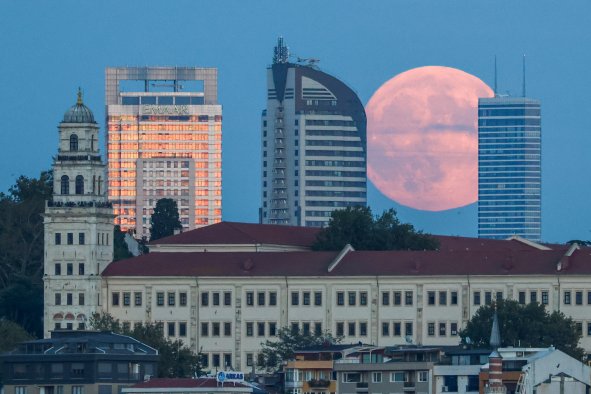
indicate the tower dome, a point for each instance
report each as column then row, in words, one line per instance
column 78, row 113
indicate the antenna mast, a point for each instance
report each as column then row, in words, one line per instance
column 524, row 75
column 496, row 76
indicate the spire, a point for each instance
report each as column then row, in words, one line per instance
column 495, row 334
column 280, row 52
column 79, row 101
column 496, row 76
column 523, row 75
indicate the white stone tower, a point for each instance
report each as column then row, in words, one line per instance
column 78, row 225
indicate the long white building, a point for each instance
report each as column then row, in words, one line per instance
column 226, row 288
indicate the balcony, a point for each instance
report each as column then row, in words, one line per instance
column 409, row 386
column 321, row 383
column 362, row 386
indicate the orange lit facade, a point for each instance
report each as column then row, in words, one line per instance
column 163, row 144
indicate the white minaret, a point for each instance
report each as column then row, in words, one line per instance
column 78, row 225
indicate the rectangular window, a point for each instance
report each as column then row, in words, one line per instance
column 58, row 299
column 521, row 297
column 160, row 298
column 250, row 298
column 397, row 377
column 171, row 329
column 115, row 299
column 295, row 328
column 70, row 238
column 579, row 298
column 215, row 298
column 487, row 297
column 351, row 377
column 126, row 298
column 340, row 329
column 204, row 298
column 183, row 299
column 227, row 360
column 351, row 329
column 499, row 296
column 272, row 329
column 81, row 238
column 318, row 298
column 443, row 298
column 306, row 328
column 215, row 329
column 306, row 298
column 272, row 298
column 295, row 298
column 58, row 238
column 182, row 329
column 80, row 298
column 423, row 376
column 376, row 377
column 204, row 329
column 431, row 329
column 453, row 330
column 408, row 328
column 58, row 269
column 408, row 298
column 81, row 269
column 476, row 299
column 545, row 297
column 340, row 298
column 249, row 329
column 579, row 327
column 385, row 298
column 227, row 329
column 215, row 360
column 171, row 298
column 317, row 328
column 69, row 269
column 397, row 331
column 442, row 329
column 454, row 298
column 261, row 329
column 431, row 298
column 363, row 298
column 249, row 359
column 137, row 296
column 77, row 389
column 352, row 296
column 227, row 298
column 261, row 298
column 566, row 298
column 533, row 297
column 588, row 328
column 363, row 329
column 385, row 329
column 397, row 299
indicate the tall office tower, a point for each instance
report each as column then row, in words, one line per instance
column 78, row 225
column 509, row 168
column 164, row 140
column 313, row 144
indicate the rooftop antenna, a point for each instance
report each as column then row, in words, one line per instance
column 495, row 75
column 280, row 52
column 523, row 75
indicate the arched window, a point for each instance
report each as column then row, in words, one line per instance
column 79, row 184
column 65, row 186
column 73, row 142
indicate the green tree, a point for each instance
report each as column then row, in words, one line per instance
column 165, row 219
column 274, row 352
column 176, row 360
column 120, row 249
column 524, row 325
column 357, row 226
column 11, row 334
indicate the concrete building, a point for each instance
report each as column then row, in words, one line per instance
column 509, row 168
column 77, row 362
column 228, row 287
column 205, row 385
column 78, row 225
column 164, row 140
column 313, row 145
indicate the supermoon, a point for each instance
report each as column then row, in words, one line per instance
column 422, row 138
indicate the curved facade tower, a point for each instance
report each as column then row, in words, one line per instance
column 313, row 144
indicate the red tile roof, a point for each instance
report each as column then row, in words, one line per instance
column 181, row 383
column 243, row 233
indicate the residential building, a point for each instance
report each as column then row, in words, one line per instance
column 459, row 370
column 313, row 143
column 509, row 168
column 225, row 288
column 78, row 224
column 164, row 140
column 77, row 362
column 206, row 385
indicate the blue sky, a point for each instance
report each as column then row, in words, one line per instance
column 48, row 49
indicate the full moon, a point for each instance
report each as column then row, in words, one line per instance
column 422, row 138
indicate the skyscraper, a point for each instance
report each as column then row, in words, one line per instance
column 509, row 168
column 313, row 144
column 78, row 225
column 164, row 140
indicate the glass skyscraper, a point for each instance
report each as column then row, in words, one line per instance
column 164, row 140
column 509, row 168
column 313, row 145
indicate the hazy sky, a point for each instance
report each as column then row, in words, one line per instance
column 49, row 48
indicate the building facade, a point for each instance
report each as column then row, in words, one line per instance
column 509, row 168
column 78, row 224
column 313, row 145
column 164, row 140
column 77, row 362
column 225, row 297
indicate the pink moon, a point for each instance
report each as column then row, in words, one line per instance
column 422, row 138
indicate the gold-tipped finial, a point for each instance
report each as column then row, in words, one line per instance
column 79, row 101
